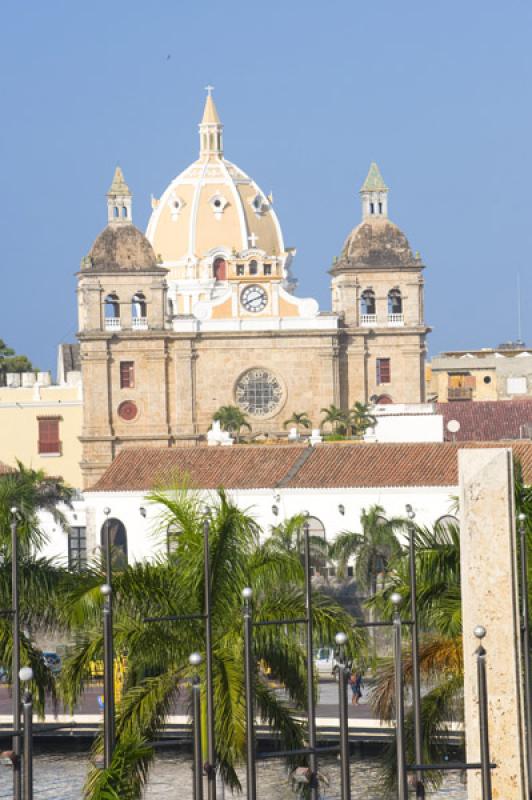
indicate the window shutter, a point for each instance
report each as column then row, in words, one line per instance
column 49, row 441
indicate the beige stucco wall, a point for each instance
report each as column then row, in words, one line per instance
column 19, row 430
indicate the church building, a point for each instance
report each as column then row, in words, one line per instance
column 201, row 312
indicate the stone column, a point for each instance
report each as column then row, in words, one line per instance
column 490, row 598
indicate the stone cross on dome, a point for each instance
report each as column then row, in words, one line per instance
column 209, row 89
column 253, row 239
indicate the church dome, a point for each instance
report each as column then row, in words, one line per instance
column 121, row 247
column 212, row 208
column 377, row 243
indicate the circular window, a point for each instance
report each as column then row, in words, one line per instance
column 487, row 379
column 176, row 204
column 127, row 410
column 258, row 392
column 217, row 203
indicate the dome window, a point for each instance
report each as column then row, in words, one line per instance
column 218, row 204
column 258, row 204
column 176, row 205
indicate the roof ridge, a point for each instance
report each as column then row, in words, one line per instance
column 296, row 466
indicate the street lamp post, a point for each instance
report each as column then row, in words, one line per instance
column 195, row 661
column 15, row 657
column 416, row 682
column 251, row 775
column 313, row 758
column 341, row 639
column 402, row 782
column 525, row 629
column 26, row 676
column 480, row 633
column 210, row 766
column 108, row 648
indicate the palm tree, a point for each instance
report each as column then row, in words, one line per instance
column 41, row 580
column 374, row 548
column 440, row 651
column 286, row 537
column 231, row 419
column 157, row 654
column 336, row 418
column 298, row 419
column 361, row 419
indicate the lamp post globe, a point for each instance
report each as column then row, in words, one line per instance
column 396, row 598
column 340, row 638
column 247, row 593
column 194, row 659
column 105, row 589
column 26, row 674
column 479, row 631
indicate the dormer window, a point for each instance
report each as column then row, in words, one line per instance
column 258, row 204
column 176, row 205
column 253, row 267
column 218, row 203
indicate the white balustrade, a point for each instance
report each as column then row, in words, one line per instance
column 139, row 323
column 368, row 319
column 396, row 319
column 112, row 323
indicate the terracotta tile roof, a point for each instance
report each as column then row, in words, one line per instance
column 235, row 467
column 373, row 464
column 488, row 420
column 333, row 465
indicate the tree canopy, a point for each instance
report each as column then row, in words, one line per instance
column 11, row 362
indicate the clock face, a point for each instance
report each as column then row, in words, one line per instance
column 254, row 298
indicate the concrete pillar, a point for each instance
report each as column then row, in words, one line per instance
column 490, row 598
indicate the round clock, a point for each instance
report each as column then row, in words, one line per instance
column 254, row 298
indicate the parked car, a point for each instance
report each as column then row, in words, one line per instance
column 325, row 661
column 53, row 662
column 4, row 675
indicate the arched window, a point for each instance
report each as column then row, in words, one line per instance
column 367, row 302
column 170, row 307
column 116, row 212
column 219, row 269
column 253, row 267
column 138, row 306
column 116, row 530
column 318, row 541
column 112, row 306
column 395, row 302
column 124, row 212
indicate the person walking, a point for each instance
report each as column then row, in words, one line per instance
column 356, row 687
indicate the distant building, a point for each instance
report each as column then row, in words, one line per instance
column 40, row 422
column 500, row 373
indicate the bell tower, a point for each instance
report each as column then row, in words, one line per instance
column 377, row 288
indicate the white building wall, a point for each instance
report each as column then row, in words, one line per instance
column 146, row 539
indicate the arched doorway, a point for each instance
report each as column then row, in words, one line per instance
column 118, row 542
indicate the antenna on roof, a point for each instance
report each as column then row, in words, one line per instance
column 519, row 337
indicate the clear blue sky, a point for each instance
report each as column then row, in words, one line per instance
column 438, row 93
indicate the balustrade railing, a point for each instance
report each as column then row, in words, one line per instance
column 112, row 324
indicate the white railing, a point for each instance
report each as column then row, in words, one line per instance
column 112, row 323
column 139, row 323
column 396, row 319
column 368, row 319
